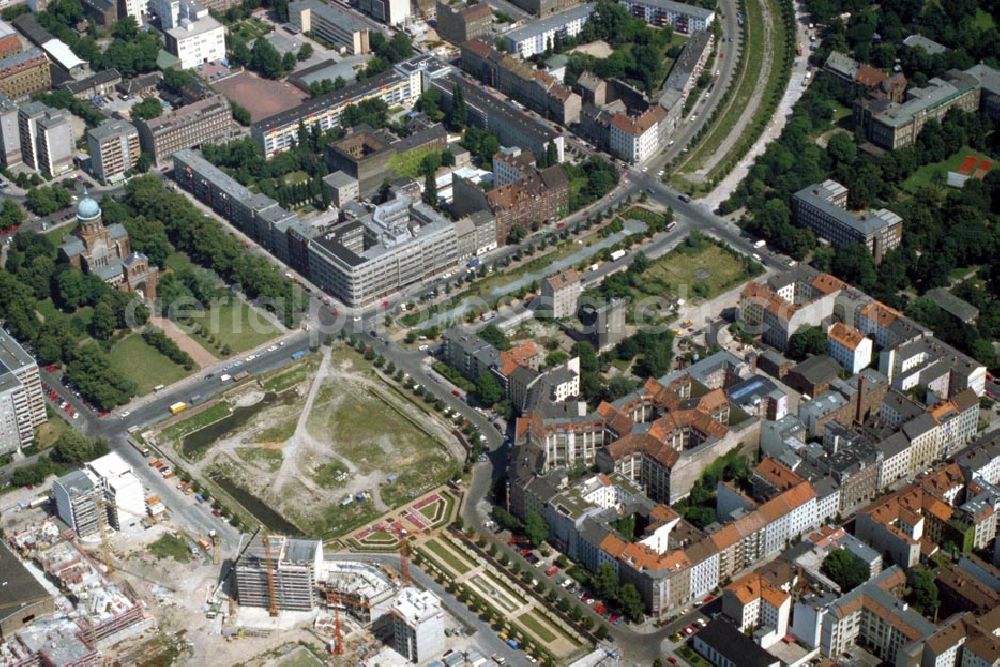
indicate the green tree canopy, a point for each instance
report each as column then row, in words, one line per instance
column 845, row 569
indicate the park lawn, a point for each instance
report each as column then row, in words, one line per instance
column 171, row 546
column 46, row 308
column 452, row 560
column 678, row 271
column 296, row 178
column 263, row 456
column 138, row 361
column 250, row 29
column 435, row 467
column 233, row 323
column 56, row 234
column 280, row 431
column 934, row 175
column 211, row 414
column 408, row 163
column 291, row 375
column 337, row 519
column 984, row 20
column 536, row 627
column 49, row 432
column 178, row 260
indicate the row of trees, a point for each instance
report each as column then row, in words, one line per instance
column 262, row 58
column 167, row 347
column 46, row 200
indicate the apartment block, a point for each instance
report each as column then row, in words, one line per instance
column 205, row 121
column 822, row 208
column 417, row 625
column 23, row 74
column 778, row 308
column 561, row 294
column 460, row 22
column 400, row 243
column 396, row 87
column 512, row 126
column 10, row 134
column 114, row 149
column 22, row 404
column 293, row 565
column 331, row 23
column 47, row 144
column 756, row 605
column 390, row 12
column 848, row 347
column 892, row 125
column 77, row 497
column 519, row 80
column 684, row 18
column 544, row 8
column 541, row 35
column 931, row 363
column 10, row 41
column 122, row 489
column 197, row 38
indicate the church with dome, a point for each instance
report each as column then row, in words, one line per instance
column 107, row 253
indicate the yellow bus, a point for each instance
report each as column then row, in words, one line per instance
column 178, row 408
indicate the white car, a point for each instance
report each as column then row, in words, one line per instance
column 125, row 414
column 356, row 318
column 273, row 348
column 423, row 348
column 251, row 357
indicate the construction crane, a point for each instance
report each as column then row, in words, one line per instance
column 270, row 565
column 404, row 563
column 216, row 546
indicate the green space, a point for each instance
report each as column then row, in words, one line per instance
column 749, row 88
column 450, row 559
column 408, row 163
column 171, row 546
column 262, row 456
column 296, row 178
column 280, row 431
column 49, row 432
column 56, row 234
column 337, row 520
column 47, row 309
column 301, row 657
column 249, row 29
column 537, row 627
column 984, row 20
column 177, row 261
column 196, row 422
column 134, row 359
column 232, row 323
column 326, row 474
column 291, row 375
column 933, row 175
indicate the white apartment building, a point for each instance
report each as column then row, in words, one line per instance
column 22, row 404
column 417, row 625
column 77, row 495
column 47, row 144
column 538, row 36
column 636, row 139
column 197, row 38
column 123, row 492
column 849, row 348
column 134, row 8
column 685, row 18
column 753, row 602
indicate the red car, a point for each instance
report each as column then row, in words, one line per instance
column 672, row 660
column 552, row 570
column 524, row 552
column 456, row 393
column 709, row 597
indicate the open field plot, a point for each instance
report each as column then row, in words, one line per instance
column 537, row 627
column 259, row 96
column 934, row 174
column 171, row 546
column 449, row 557
column 335, row 448
column 135, row 359
column 712, row 266
column 249, row 29
column 47, row 434
column 196, row 422
column 408, row 163
column 231, row 323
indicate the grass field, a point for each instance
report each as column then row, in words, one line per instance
column 249, row 29
column 47, row 309
column 49, row 432
column 448, row 557
column 262, row 456
column 933, row 175
column 408, row 163
column 136, row 360
column 171, row 546
column 280, row 431
column 712, row 266
column 536, row 627
column 191, row 424
column 291, row 375
column 983, row 19
column 329, row 475
column 296, row 178
column 233, row 323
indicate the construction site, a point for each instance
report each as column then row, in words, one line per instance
column 316, row 449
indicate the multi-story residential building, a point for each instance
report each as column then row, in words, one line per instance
column 892, row 125
column 197, row 38
column 476, row 235
column 960, row 592
column 512, row 126
column 10, row 134
column 293, row 565
column 822, row 208
column 402, row 242
column 134, row 8
column 512, row 165
column 332, row 23
column 635, row 139
column 23, row 74
column 517, row 79
column 22, row 405
column 99, row 85
column 966, row 640
column 989, row 84
column 417, row 625
column 396, row 87
column 685, row 72
column 561, row 294
column 390, row 12
column 958, row 421
column 202, row 122
column 543, row 8
column 760, row 397
column 124, row 496
column 870, row 614
column 753, row 602
column 723, row 645
column 10, row 41
column 886, row 326
column 540, row 36
column 47, row 144
column 114, row 149
column 276, row 229
column 460, row 22
column 366, row 155
column 848, row 347
column 931, row 363
column 785, row 303
column 537, row 199
column 77, row 497
column 684, row 18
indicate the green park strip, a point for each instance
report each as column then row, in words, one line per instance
column 450, row 559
